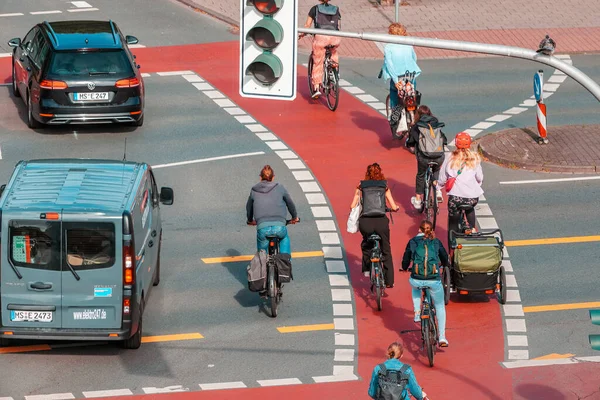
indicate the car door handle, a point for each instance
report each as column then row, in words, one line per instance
column 21, row 59
column 150, row 243
column 40, row 286
column 153, row 233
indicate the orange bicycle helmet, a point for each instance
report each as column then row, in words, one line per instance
column 462, row 140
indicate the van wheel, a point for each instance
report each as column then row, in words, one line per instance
column 135, row 341
column 157, row 273
column 15, row 87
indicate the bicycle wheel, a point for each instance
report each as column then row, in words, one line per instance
column 333, row 89
column 379, row 288
column 272, row 287
column 428, row 343
column 311, row 90
column 431, row 204
column 446, row 283
column 502, row 288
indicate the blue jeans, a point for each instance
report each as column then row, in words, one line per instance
column 437, row 294
column 280, row 231
column 394, row 92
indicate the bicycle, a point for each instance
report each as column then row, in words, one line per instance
column 429, row 324
column 330, row 84
column 429, row 201
column 377, row 275
column 409, row 98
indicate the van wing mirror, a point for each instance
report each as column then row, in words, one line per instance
column 16, row 42
column 2, row 189
column 131, row 39
column 166, row 195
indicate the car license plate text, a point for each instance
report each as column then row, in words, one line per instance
column 31, row 316
column 99, row 96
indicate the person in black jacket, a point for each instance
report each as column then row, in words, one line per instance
column 424, row 118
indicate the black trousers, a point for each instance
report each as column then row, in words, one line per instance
column 380, row 226
column 422, row 168
column 454, row 214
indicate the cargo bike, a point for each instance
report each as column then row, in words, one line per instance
column 475, row 261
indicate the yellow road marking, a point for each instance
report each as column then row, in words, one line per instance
column 561, row 240
column 562, row 307
column 24, row 349
column 171, row 338
column 305, row 328
column 300, row 254
column 554, row 356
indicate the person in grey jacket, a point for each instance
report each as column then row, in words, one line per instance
column 267, row 208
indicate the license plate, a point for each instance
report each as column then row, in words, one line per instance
column 96, row 96
column 31, row 316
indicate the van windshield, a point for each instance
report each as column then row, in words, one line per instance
column 35, row 244
column 90, row 245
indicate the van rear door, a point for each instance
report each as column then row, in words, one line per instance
column 92, row 279
column 31, row 250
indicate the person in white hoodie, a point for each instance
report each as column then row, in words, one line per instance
column 464, row 168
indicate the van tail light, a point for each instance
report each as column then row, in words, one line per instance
column 126, row 306
column 128, row 264
column 53, row 85
column 127, row 83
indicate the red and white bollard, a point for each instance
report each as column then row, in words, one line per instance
column 541, row 122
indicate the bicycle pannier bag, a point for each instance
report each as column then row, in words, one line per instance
column 327, row 17
column 391, row 384
column 426, row 260
column 373, row 198
column 477, row 254
column 431, row 142
column 257, row 272
column 283, row 263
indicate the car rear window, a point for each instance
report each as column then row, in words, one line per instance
column 91, row 63
column 90, row 245
column 35, row 244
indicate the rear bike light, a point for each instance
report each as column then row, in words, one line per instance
column 127, row 83
column 52, row 85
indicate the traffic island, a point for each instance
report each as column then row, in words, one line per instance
column 571, row 149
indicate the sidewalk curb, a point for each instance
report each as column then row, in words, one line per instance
column 211, row 13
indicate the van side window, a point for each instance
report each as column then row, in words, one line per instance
column 35, row 244
column 155, row 194
column 90, row 245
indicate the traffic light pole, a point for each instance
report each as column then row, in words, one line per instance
column 472, row 47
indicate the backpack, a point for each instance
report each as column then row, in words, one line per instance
column 283, row 263
column 373, row 198
column 431, row 142
column 327, row 17
column 391, row 384
column 257, row 272
column 425, row 258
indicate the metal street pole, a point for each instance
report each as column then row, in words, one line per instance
column 397, row 10
column 472, row 47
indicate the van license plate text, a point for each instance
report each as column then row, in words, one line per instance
column 99, row 96
column 31, row 316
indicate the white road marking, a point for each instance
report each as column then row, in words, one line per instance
column 215, row 94
column 557, row 78
column 311, row 187
column 366, row 98
column 55, row 396
column 206, row 86
column 353, row 89
column 335, row 378
column 343, row 82
column 343, row 310
column 377, row 105
column 517, row 340
column 222, row 385
column 45, row 12
column 547, row 94
column 333, row 252
column 286, row 155
column 518, row 354
column 330, row 238
column 81, row 4
column 341, row 294
column 513, row 310
column 321, row 212
column 498, row 118
column 172, row 73
column 344, row 339
column 145, row 75
column 168, row 389
column 315, row 198
column 193, row 78
column 276, row 145
column 505, row 252
column 483, row 125
column 487, row 223
column 266, row 136
column 301, row 175
column 343, row 324
column 294, row 164
column 473, row 132
column 344, row 355
column 507, row 265
column 482, row 198
column 108, row 393
column 511, row 281
column 6, row 398
column 483, row 209
column 234, row 111
column 343, row 370
column 551, row 87
column 556, row 361
column 515, row 325
column 583, row 178
column 224, row 103
column 324, row 224
column 528, row 102
column 81, row 9
column 280, row 382
column 336, row 266
column 513, row 296
column 255, row 127
column 201, row 160
column 515, row 110
column 11, row 15
column 242, row 119
column 2, row 55
column 338, row 280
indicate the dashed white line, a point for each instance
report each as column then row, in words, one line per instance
column 222, row 385
column 366, row 98
column 487, row 223
column 173, row 73
column 234, row 111
column 473, row 132
column 330, row 238
column 336, row 266
column 276, row 145
column 308, row 187
column 145, row 75
column 342, row 310
column 168, row 389
column 528, row 102
column 45, row 12
column 11, row 15
column 338, row 280
column 511, row 281
column 193, row 78
column 202, row 160
column 136, row 46
column 353, row 89
column 287, row 155
column 280, row 382
column 556, row 361
column 513, row 310
column 344, row 339
column 333, row 252
column 301, row 175
column 583, row 178
column 518, row 354
column 483, row 125
column 315, row 198
column 334, row 378
column 557, row 78
column 266, row 136
column 499, row 118
column 81, row 4
column 341, row 294
column 515, row 325
column 294, row 164
column 81, row 9
column 507, row 265
column 515, row 110
column 344, row 355
column 517, row 340
column 242, row 119
column 344, row 82
column 227, row 103
column 343, row 324
column 55, row 396
column 215, row 94
column 206, row 86
column 325, row 224
column 321, row 212
column 513, row 296
column 108, row 393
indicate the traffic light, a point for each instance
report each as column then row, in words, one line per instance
column 595, row 339
column 268, row 47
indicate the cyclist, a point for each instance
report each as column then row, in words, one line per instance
column 373, row 193
column 397, row 59
column 393, row 364
column 464, row 165
column 420, row 139
column 425, row 272
column 267, row 208
column 325, row 16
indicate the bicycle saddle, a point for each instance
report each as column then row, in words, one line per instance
column 374, row 236
column 465, row 207
column 432, row 163
column 272, row 237
column 329, row 46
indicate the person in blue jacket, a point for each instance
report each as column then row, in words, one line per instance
column 393, row 363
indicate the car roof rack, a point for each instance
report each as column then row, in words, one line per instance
column 52, row 33
column 114, row 32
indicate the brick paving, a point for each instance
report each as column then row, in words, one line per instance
column 574, row 24
column 572, row 149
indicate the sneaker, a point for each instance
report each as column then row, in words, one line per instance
column 443, row 342
column 367, row 274
column 417, row 316
column 316, row 94
column 438, row 194
column 416, row 203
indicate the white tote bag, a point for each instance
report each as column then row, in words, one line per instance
column 402, row 125
column 352, row 225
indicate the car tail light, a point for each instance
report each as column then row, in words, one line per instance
column 126, row 306
column 128, row 267
column 129, row 82
column 53, row 85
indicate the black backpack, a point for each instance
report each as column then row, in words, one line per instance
column 391, row 384
column 327, row 17
column 373, row 198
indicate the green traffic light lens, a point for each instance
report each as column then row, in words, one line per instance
column 266, row 69
column 267, row 34
column 595, row 342
column 266, row 6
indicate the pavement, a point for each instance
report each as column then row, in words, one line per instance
column 570, row 148
column 575, row 28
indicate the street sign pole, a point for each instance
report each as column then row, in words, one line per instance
column 538, row 91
